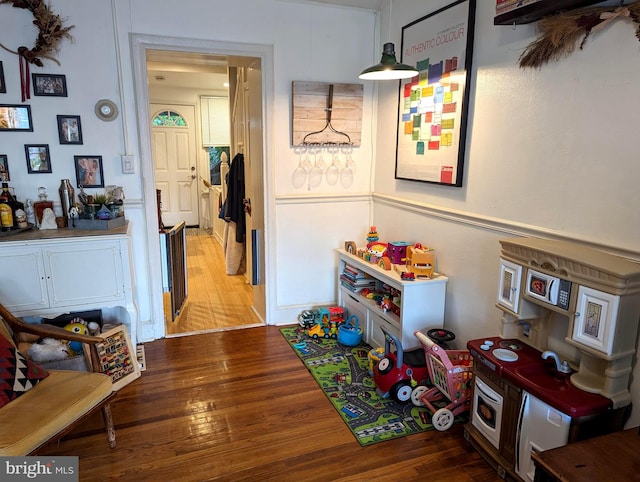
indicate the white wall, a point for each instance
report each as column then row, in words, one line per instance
column 309, row 41
column 551, row 152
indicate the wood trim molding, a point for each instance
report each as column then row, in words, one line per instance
column 499, row 225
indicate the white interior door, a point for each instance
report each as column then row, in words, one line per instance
column 175, row 161
column 255, row 179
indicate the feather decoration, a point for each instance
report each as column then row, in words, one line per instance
column 559, row 34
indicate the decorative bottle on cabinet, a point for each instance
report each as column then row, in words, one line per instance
column 42, row 204
column 31, row 214
column 6, row 208
column 67, row 196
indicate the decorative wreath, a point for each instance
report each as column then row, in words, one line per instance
column 50, row 32
column 559, row 33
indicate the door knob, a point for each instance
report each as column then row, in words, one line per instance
column 193, row 176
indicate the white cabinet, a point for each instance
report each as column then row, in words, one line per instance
column 421, row 303
column 68, row 273
column 595, row 319
column 509, row 285
column 540, row 427
column 215, row 117
column 509, row 291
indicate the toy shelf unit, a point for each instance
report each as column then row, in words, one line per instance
column 416, row 305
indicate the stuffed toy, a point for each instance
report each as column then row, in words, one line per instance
column 48, row 349
column 77, row 325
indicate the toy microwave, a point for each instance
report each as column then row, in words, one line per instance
column 550, row 289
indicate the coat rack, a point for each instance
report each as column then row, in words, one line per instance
column 326, row 114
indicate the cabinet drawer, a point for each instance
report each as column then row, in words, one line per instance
column 376, row 337
column 354, row 306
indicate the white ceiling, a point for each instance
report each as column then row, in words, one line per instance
column 368, row 4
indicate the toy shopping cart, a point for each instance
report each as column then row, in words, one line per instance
column 451, row 375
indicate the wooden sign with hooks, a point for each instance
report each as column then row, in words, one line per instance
column 326, row 114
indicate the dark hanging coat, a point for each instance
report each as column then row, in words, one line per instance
column 234, row 205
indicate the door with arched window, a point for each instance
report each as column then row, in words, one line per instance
column 175, row 160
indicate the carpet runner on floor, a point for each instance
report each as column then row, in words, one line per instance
column 342, row 372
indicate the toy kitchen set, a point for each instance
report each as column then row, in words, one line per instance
column 561, row 370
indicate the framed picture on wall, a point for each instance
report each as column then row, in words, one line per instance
column 52, row 85
column 4, row 168
column 69, row 129
column 38, row 159
column 433, row 106
column 15, row 118
column 3, row 86
column 89, row 171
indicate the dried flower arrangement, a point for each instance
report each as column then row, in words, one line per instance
column 559, row 33
column 50, row 32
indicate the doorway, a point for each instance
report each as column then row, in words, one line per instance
column 196, row 59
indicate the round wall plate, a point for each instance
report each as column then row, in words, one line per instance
column 106, row 110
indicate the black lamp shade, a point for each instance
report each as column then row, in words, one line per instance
column 388, row 68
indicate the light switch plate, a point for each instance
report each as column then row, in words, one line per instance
column 128, row 164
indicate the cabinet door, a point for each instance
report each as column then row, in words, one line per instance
column 24, row 286
column 84, row 273
column 595, row 319
column 509, row 285
column 215, row 121
column 375, row 333
column 355, row 306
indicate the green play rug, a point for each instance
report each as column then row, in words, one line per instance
column 342, row 373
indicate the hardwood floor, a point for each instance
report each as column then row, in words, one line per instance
column 215, row 300
column 240, row 405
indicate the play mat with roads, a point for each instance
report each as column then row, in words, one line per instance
column 342, row 372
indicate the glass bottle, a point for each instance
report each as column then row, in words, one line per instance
column 6, row 208
column 42, row 204
column 31, row 214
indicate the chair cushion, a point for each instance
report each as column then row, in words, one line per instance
column 51, row 406
column 17, row 373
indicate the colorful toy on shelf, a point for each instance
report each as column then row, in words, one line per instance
column 372, row 235
column 397, row 251
column 407, row 276
column 350, row 247
column 376, row 251
column 420, row 261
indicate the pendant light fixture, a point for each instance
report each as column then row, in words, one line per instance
column 389, row 68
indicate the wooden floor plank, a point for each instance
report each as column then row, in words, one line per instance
column 216, row 301
column 240, row 405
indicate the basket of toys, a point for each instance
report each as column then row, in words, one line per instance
column 350, row 333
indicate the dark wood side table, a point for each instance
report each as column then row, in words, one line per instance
column 609, row 457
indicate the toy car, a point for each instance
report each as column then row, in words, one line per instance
column 306, row 319
column 397, row 373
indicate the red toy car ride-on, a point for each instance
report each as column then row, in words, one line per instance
column 396, row 374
